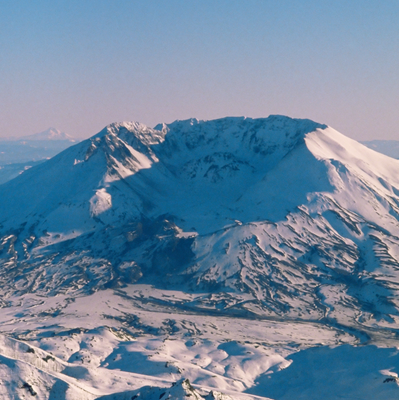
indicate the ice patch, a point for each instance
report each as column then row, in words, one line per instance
column 100, row 202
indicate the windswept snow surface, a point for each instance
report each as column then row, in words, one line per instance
column 217, row 259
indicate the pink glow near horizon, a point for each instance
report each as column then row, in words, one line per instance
column 79, row 66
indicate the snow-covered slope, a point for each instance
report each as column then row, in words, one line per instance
column 11, row 171
column 271, row 219
column 147, row 175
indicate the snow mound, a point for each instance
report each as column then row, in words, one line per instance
column 179, row 390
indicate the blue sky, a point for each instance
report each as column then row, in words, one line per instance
column 80, row 65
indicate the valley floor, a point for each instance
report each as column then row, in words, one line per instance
column 137, row 342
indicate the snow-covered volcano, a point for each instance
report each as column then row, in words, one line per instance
column 284, row 210
column 196, row 171
column 255, row 218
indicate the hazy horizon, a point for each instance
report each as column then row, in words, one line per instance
column 81, row 66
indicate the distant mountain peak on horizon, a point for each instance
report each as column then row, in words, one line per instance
column 49, row 134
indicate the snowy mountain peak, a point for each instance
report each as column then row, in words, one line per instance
column 250, row 206
column 244, row 139
column 117, row 127
column 134, row 133
column 202, row 253
column 244, row 125
column 204, row 172
column 49, row 134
